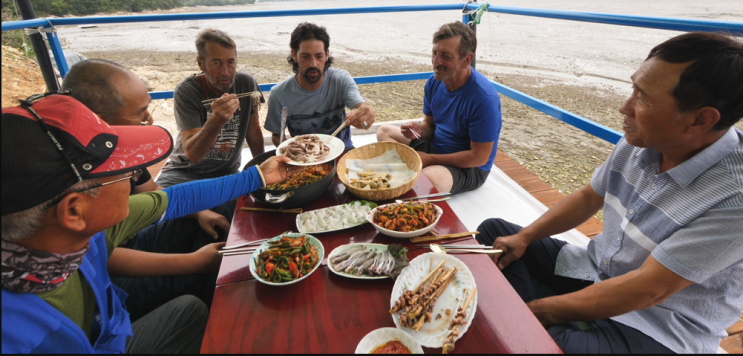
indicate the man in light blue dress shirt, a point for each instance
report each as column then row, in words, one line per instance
column 666, row 273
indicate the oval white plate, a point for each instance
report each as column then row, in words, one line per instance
column 403, row 235
column 339, row 249
column 382, row 336
column 264, row 246
column 433, row 333
column 336, row 148
column 299, row 218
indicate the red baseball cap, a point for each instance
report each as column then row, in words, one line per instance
column 56, row 142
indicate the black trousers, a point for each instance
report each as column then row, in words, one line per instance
column 182, row 235
column 176, row 327
column 533, row 277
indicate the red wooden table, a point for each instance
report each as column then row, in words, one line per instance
column 326, row 313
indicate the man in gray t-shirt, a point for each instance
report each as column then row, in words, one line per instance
column 211, row 137
column 316, row 96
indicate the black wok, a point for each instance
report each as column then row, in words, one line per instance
column 290, row 198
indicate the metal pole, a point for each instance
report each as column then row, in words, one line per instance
column 466, row 19
column 39, row 46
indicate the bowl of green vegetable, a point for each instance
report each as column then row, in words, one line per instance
column 286, row 259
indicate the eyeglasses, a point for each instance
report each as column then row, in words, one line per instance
column 131, row 175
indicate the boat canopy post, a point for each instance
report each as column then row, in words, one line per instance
column 39, row 46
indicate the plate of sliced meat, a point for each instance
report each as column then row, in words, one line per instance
column 308, row 150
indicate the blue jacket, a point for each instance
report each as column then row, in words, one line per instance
column 31, row 325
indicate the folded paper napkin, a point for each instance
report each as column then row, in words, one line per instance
column 389, row 162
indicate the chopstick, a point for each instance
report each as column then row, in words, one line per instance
column 343, row 124
column 238, row 253
column 415, row 134
column 246, row 249
column 427, row 196
column 452, row 247
column 241, row 95
column 285, row 211
column 245, row 244
column 422, row 201
column 442, row 237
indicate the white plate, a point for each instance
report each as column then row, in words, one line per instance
column 403, row 235
column 433, row 333
column 339, row 249
column 264, row 246
column 336, row 148
column 301, row 229
column 382, row 336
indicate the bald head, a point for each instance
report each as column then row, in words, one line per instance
column 113, row 92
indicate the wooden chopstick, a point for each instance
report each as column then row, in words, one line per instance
column 238, row 253
column 245, row 244
column 209, row 101
column 343, row 124
column 285, row 211
column 442, row 237
column 246, row 249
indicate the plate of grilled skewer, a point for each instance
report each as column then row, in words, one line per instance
column 434, row 300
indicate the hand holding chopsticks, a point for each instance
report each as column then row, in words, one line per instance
column 344, row 123
column 252, row 94
column 412, row 127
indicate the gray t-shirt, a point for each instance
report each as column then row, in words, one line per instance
column 222, row 159
column 317, row 111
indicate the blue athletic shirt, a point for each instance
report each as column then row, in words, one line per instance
column 469, row 114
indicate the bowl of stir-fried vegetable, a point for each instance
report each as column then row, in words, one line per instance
column 405, row 220
column 286, row 259
column 298, row 190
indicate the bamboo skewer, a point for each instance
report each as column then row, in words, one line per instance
column 449, row 345
column 428, row 277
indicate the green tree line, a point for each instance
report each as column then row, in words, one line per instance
column 45, row 8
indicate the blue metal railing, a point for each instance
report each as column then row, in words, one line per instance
column 577, row 121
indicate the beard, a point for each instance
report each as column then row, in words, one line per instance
column 216, row 83
column 312, row 70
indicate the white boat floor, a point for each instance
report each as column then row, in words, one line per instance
column 499, row 197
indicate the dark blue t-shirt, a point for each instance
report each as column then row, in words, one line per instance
column 471, row 113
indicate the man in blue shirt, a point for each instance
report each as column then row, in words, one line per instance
column 458, row 138
column 666, row 273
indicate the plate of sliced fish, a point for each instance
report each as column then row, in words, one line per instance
column 362, row 261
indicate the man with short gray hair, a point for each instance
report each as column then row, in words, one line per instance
column 211, row 136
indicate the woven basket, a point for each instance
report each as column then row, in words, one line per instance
column 408, row 156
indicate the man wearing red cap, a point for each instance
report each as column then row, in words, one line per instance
column 119, row 97
column 66, row 205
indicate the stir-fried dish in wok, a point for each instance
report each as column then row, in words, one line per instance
column 287, row 259
column 306, row 176
column 405, row 217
